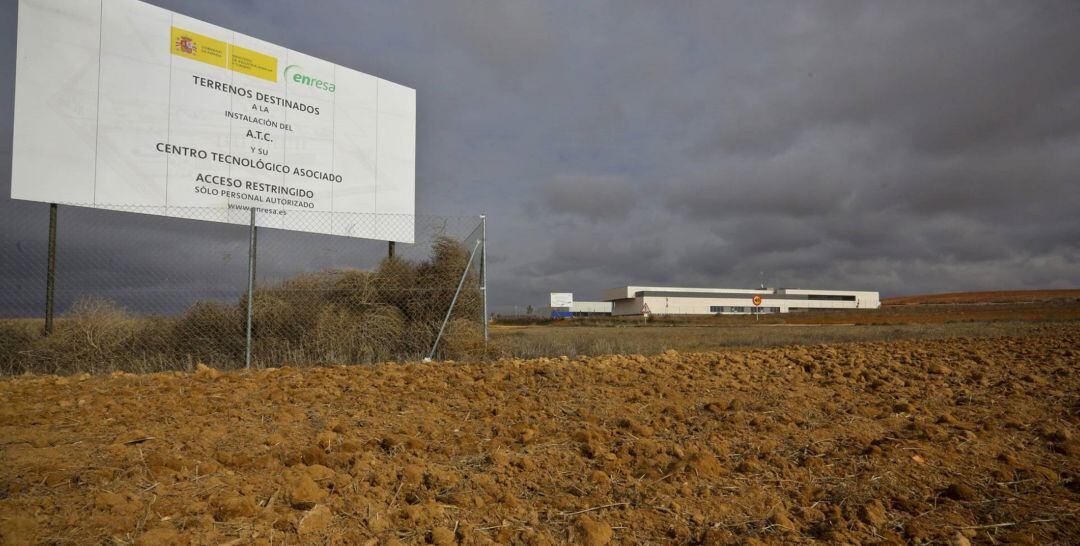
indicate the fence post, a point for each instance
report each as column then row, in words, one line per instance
column 251, row 286
column 50, row 274
column 483, row 270
column 453, row 301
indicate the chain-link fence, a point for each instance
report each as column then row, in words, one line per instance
column 140, row 292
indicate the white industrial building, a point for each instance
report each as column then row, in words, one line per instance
column 668, row 300
column 589, row 308
column 564, row 306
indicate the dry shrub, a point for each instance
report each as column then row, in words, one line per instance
column 353, row 316
column 289, row 309
column 439, row 277
column 394, row 283
column 345, row 337
column 448, row 259
column 96, row 335
column 273, row 315
column 209, row 332
column 16, row 337
column 419, row 335
column 273, row 351
column 464, row 340
column 341, row 316
column 98, row 325
column 355, row 290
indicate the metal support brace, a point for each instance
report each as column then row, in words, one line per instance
column 461, row 283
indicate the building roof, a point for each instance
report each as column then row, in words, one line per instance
column 632, row 291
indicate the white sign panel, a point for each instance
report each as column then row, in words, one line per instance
column 562, row 299
column 124, row 105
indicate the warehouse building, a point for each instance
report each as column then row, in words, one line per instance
column 668, row 300
column 564, row 306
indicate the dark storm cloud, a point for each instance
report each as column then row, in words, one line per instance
column 901, row 146
column 593, row 198
column 944, row 77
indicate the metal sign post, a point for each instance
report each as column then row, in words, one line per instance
column 50, row 275
column 251, row 287
column 483, row 270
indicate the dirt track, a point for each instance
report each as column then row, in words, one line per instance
column 932, row 441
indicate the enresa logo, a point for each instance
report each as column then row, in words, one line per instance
column 293, row 74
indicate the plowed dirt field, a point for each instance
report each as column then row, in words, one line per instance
column 996, row 297
column 950, row 441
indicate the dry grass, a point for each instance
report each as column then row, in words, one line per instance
column 326, row 317
column 545, row 340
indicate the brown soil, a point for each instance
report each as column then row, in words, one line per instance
column 999, row 296
column 956, row 441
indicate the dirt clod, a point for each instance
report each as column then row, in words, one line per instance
column 592, row 532
column 873, row 513
column 315, row 520
column 160, row 536
column 960, row 492
column 780, row 518
column 302, row 492
column 959, row 540
column 441, row 536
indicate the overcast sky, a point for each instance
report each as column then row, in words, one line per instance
column 906, row 147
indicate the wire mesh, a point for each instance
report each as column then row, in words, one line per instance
column 142, row 292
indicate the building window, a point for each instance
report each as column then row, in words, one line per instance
column 742, row 309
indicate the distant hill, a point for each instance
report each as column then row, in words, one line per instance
column 999, row 296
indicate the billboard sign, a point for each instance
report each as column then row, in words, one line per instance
column 562, row 299
column 124, row 105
